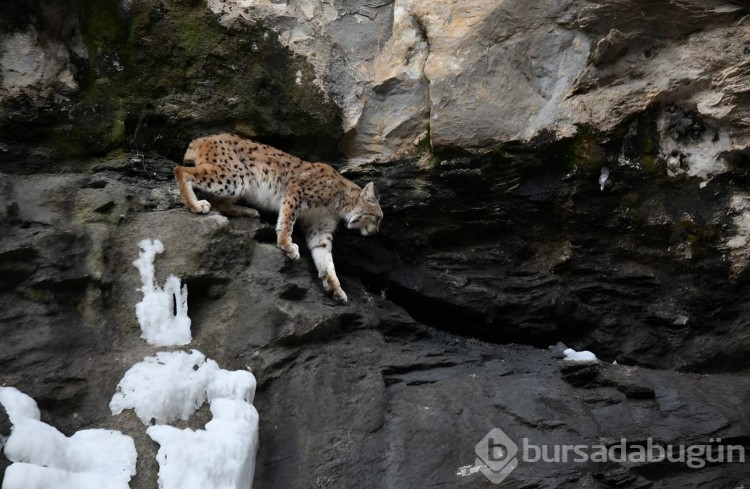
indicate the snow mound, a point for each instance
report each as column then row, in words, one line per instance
column 173, row 385
column 45, row 458
column 579, row 357
column 162, row 313
column 220, row 457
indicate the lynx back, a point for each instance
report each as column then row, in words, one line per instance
column 229, row 169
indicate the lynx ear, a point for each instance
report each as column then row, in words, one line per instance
column 369, row 194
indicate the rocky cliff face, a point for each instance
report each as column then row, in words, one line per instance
column 471, row 74
column 389, row 76
column 493, row 124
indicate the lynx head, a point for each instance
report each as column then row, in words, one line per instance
column 366, row 214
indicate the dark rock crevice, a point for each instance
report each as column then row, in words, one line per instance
column 510, row 250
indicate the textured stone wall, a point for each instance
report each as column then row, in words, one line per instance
column 473, row 74
column 390, row 77
column 487, row 127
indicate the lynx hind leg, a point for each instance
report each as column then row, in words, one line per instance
column 230, row 209
column 321, row 247
column 187, row 177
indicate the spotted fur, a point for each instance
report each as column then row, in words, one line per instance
column 230, row 169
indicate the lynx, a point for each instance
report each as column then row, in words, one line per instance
column 229, row 168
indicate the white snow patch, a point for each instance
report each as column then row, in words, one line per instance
column 45, row 458
column 162, row 313
column 220, row 457
column 603, row 178
column 699, row 155
column 173, row 385
column 581, row 357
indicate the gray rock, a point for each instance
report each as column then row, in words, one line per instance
column 86, row 78
column 494, row 73
column 482, row 263
column 395, row 78
column 444, row 338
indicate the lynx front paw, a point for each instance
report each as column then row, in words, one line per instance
column 293, row 252
column 332, row 286
column 340, row 296
column 201, row 207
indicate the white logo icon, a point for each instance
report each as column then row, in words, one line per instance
column 497, row 456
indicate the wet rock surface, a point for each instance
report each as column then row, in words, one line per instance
column 571, row 172
column 481, row 264
column 519, row 252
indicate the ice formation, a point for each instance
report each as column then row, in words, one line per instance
column 603, row 178
column 222, row 456
column 580, row 357
column 162, row 388
column 162, row 313
column 172, row 385
column 45, row 458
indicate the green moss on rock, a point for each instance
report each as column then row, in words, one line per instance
column 587, row 153
column 197, row 76
column 701, row 238
column 102, row 26
column 160, row 73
